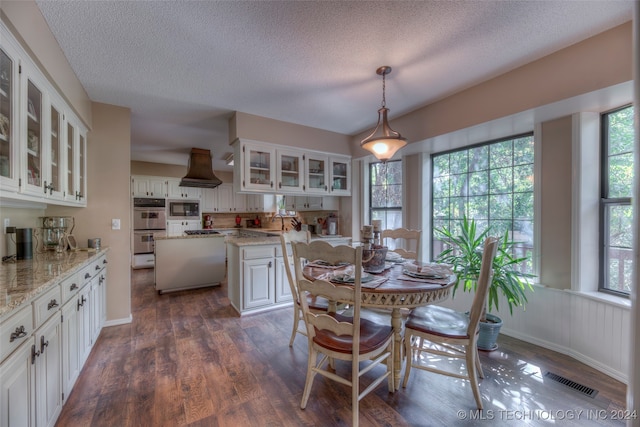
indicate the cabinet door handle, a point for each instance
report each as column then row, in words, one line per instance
column 20, row 332
column 43, row 344
column 53, row 303
column 270, row 264
column 34, row 354
column 279, row 185
column 271, row 184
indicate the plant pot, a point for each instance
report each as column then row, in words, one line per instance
column 489, row 332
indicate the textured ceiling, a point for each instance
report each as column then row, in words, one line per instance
column 184, row 66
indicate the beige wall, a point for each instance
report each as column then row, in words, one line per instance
column 598, row 62
column 175, row 171
column 19, row 218
column 108, row 179
column 555, row 192
column 247, row 126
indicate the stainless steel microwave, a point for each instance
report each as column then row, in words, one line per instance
column 184, row 209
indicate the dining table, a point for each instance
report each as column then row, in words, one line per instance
column 392, row 289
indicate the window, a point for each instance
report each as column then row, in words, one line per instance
column 616, row 217
column 385, row 193
column 491, row 183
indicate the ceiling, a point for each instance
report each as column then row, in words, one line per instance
column 183, row 67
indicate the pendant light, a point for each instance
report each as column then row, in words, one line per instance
column 383, row 141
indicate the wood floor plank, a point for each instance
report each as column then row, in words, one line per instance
column 188, row 359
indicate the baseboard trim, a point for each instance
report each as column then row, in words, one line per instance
column 117, row 322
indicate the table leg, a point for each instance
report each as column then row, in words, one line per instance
column 396, row 323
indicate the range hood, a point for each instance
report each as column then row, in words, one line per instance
column 200, row 172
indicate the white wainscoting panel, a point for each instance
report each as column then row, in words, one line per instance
column 593, row 331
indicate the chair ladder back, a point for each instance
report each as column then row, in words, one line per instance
column 409, row 237
column 287, row 238
column 484, row 283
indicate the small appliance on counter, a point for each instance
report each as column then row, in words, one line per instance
column 56, row 231
column 207, row 222
column 24, row 243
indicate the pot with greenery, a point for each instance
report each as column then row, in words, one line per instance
column 464, row 252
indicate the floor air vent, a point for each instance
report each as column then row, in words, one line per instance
column 582, row 389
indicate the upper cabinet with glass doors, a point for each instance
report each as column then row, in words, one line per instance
column 290, row 171
column 42, row 143
column 340, row 175
column 8, row 113
column 317, row 172
column 270, row 168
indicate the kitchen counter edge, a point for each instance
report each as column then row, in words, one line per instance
column 43, row 272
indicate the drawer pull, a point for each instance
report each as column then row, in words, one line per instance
column 104, row 261
column 19, row 333
column 43, row 344
column 52, row 303
column 97, row 267
column 87, row 275
column 73, row 287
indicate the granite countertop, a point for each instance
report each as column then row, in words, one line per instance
column 193, row 236
column 22, row 280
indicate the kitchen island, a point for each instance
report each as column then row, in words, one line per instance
column 256, row 275
column 188, row 262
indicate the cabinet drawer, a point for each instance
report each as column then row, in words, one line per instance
column 97, row 265
column 70, row 287
column 258, row 252
column 46, row 305
column 15, row 330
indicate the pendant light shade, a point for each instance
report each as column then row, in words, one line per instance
column 383, row 141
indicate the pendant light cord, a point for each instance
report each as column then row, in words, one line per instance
column 384, row 100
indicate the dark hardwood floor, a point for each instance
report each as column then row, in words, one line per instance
column 188, row 359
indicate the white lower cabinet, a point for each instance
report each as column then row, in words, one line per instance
column 257, row 279
column 177, row 227
column 17, row 388
column 48, row 381
column 47, row 343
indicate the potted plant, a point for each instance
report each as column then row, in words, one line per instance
column 464, row 253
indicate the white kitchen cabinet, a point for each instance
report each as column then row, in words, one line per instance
column 316, row 173
column 290, row 171
column 176, row 227
column 283, row 290
column 255, row 276
column 17, row 387
column 175, row 191
column 256, row 168
column 340, row 175
column 258, row 282
column 260, row 202
column 271, row 168
column 42, row 142
column 228, row 201
column 70, row 345
column 9, row 141
column 84, row 324
column 148, row 186
column 313, row 203
column 48, row 381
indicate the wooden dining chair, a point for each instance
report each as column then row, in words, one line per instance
column 315, row 304
column 445, row 332
column 406, row 243
column 338, row 337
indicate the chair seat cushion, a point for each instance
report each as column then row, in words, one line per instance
column 372, row 337
column 440, row 321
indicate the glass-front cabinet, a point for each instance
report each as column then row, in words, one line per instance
column 259, row 167
column 290, row 170
column 8, row 106
column 340, row 175
column 316, row 173
column 42, row 143
column 33, row 132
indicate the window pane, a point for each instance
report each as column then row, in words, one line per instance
column 617, row 183
column 385, row 187
column 440, row 166
column 618, row 247
column 493, row 191
column 620, row 175
column 501, row 154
